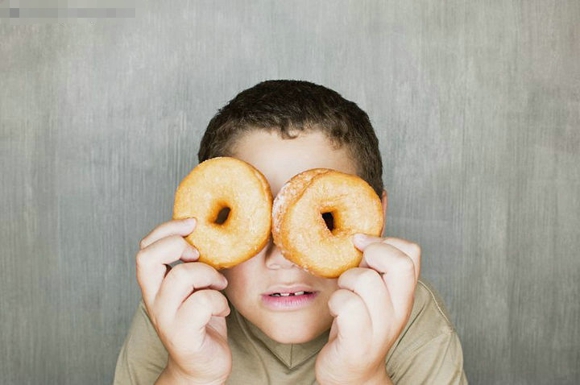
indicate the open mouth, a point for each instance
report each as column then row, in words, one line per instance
column 298, row 293
column 288, row 299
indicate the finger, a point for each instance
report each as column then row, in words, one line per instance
column 199, row 308
column 180, row 227
column 368, row 284
column 151, row 263
column 412, row 250
column 181, row 282
column 362, row 241
column 351, row 319
column 398, row 273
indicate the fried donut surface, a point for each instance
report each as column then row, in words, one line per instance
column 315, row 215
column 232, row 203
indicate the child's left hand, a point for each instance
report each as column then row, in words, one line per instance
column 371, row 308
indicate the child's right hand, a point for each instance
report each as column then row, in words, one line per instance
column 185, row 306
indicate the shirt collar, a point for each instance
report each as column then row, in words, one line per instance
column 291, row 355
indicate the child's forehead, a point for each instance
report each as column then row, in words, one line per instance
column 279, row 159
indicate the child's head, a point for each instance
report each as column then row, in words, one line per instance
column 283, row 128
column 289, row 107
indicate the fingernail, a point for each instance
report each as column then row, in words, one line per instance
column 190, row 222
column 362, row 240
column 190, row 253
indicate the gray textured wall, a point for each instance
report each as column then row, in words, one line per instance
column 477, row 105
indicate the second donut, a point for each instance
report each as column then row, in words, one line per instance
column 315, row 216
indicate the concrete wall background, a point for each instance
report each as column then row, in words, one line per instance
column 477, row 106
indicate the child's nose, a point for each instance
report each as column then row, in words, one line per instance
column 275, row 259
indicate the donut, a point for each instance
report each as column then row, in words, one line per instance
column 315, row 215
column 232, row 203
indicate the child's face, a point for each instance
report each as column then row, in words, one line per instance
column 255, row 285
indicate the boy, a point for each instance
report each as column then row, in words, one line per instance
column 375, row 324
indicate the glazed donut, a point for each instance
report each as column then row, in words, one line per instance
column 315, row 215
column 232, row 204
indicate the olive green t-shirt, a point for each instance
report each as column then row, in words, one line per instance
column 428, row 351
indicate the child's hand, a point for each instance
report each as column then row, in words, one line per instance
column 371, row 308
column 185, row 306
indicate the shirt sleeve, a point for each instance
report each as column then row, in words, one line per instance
column 143, row 357
column 428, row 351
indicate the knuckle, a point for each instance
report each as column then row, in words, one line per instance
column 204, row 298
column 141, row 257
column 367, row 276
column 178, row 273
column 405, row 265
column 414, row 249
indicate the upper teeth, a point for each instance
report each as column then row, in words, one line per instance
column 289, row 294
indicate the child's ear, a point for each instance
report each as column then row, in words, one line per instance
column 385, row 204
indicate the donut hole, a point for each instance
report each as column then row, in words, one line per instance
column 328, row 218
column 222, row 216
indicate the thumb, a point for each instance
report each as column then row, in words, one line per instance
column 361, row 241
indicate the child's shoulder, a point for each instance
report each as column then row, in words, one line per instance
column 428, row 347
column 428, row 303
column 429, row 321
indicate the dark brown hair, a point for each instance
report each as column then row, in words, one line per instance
column 290, row 107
